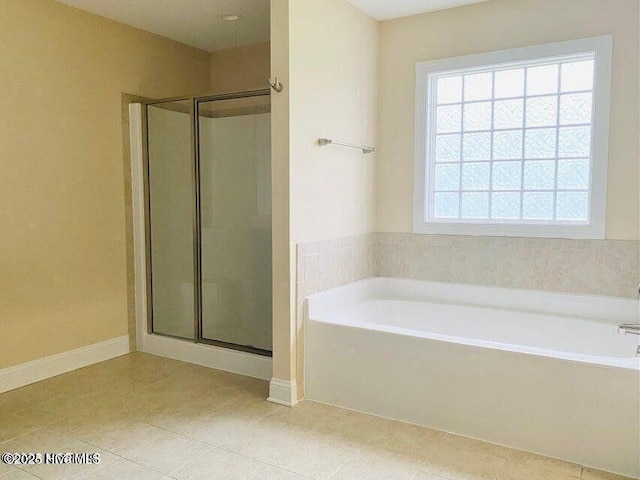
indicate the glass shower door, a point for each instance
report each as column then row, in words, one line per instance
column 170, row 181
column 235, row 221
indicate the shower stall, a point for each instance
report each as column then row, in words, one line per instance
column 207, row 192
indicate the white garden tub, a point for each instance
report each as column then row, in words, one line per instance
column 539, row 371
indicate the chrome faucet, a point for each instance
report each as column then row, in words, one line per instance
column 632, row 328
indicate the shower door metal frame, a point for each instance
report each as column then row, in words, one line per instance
column 147, row 211
column 194, row 113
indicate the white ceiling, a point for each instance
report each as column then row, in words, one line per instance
column 194, row 22
column 198, row 22
column 387, row 9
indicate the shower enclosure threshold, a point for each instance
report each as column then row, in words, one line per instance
column 229, row 360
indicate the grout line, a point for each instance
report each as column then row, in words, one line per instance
column 305, row 432
column 262, row 462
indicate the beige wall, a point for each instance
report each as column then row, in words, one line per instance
column 333, row 65
column 284, row 345
column 63, row 278
column 324, row 52
column 495, row 25
column 333, row 75
column 240, row 69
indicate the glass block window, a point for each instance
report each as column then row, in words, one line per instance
column 511, row 143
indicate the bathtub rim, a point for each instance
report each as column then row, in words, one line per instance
column 371, row 289
column 599, row 307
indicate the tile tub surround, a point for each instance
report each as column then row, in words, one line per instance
column 327, row 264
column 177, row 421
column 598, row 267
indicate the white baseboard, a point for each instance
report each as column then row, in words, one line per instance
column 283, row 392
column 242, row 363
column 47, row 367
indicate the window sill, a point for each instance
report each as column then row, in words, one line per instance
column 509, row 230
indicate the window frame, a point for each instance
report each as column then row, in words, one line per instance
column 602, row 47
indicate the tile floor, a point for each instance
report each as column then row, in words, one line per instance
column 153, row 418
